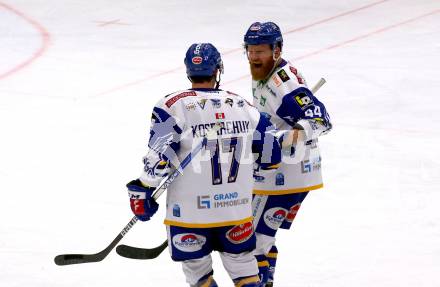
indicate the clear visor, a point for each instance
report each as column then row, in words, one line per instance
column 258, row 52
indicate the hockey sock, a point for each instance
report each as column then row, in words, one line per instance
column 263, row 268
column 206, row 281
column 251, row 281
column 272, row 260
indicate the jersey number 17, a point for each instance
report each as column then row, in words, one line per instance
column 232, row 145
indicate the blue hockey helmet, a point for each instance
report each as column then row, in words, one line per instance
column 263, row 33
column 202, row 59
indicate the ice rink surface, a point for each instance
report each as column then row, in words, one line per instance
column 78, row 80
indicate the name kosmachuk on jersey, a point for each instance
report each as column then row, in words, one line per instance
column 226, row 128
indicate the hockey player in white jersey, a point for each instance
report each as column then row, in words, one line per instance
column 281, row 93
column 209, row 206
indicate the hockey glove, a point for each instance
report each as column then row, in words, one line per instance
column 141, row 202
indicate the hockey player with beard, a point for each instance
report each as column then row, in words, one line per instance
column 281, row 93
column 209, row 207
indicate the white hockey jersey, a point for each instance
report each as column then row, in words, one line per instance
column 286, row 101
column 215, row 189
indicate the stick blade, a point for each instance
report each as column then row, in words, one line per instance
column 140, row 253
column 69, row 259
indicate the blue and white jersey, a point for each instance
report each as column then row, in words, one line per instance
column 287, row 102
column 215, row 189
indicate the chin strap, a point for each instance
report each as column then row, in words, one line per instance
column 273, row 56
column 217, row 80
column 275, row 65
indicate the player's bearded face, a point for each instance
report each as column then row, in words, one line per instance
column 261, row 61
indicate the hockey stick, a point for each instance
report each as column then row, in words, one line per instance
column 318, row 85
column 151, row 253
column 140, row 253
column 68, row 259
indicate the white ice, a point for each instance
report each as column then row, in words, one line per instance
column 78, row 80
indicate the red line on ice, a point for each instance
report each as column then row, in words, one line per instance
column 305, row 27
column 45, row 39
column 358, row 38
column 355, row 39
column 302, row 28
column 112, row 22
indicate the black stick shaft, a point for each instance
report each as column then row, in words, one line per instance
column 69, row 259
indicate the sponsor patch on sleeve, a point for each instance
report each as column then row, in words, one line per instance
column 297, row 75
column 276, row 80
column 303, row 100
column 283, row 75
